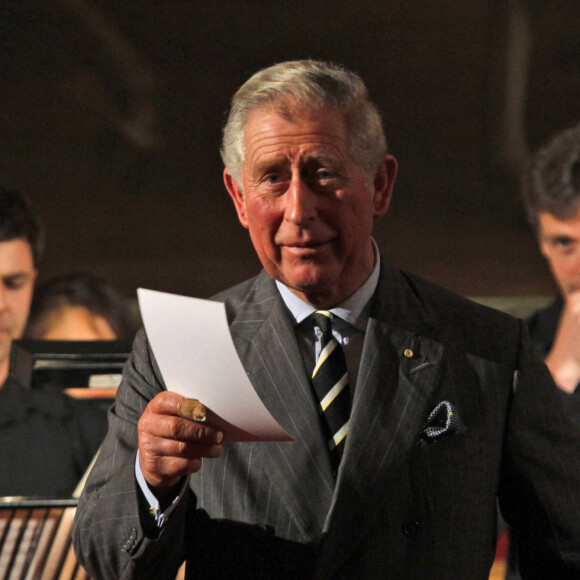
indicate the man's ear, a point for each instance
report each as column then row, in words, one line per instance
column 235, row 190
column 383, row 184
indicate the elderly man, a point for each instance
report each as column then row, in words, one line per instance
column 412, row 410
column 551, row 194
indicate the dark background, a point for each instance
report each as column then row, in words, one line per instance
column 111, row 114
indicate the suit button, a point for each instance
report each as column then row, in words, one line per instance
column 410, row 528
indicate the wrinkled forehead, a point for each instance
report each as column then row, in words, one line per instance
column 305, row 131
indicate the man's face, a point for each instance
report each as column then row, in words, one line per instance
column 560, row 244
column 17, row 275
column 308, row 206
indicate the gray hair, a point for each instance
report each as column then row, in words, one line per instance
column 316, row 85
column 551, row 183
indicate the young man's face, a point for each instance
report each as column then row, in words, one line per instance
column 560, row 244
column 17, row 275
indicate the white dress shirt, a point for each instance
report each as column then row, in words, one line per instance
column 348, row 325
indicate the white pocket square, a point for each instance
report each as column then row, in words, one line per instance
column 443, row 420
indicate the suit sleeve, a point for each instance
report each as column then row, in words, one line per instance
column 539, row 489
column 110, row 538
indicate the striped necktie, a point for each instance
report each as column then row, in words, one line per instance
column 330, row 381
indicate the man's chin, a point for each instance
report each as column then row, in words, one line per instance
column 315, row 292
column 308, row 285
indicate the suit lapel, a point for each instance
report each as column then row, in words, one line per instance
column 265, row 340
column 399, row 370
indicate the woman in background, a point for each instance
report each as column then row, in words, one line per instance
column 79, row 307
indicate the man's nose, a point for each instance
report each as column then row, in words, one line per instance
column 300, row 202
column 574, row 264
column 573, row 260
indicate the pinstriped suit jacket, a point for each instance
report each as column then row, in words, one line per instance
column 405, row 506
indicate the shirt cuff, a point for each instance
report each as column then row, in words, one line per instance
column 154, row 507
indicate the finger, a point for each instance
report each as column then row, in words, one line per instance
column 171, row 427
column 188, row 408
column 166, row 403
column 166, row 472
column 164, row 461
column 181, row 449
column 192, row 409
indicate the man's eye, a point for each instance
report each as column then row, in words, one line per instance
column 564, row 245
column 563, row 242
column 14, row 284
column 273, row 178
column 324, row 174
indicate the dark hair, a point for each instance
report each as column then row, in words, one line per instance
column 87, row 291
column 19, row 221
column 551, row 183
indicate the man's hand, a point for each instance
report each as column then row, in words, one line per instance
column 170, row 446
column 564, row 358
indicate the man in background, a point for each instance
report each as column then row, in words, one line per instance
column 551, row 194
column 47, row 439
column 21, row 245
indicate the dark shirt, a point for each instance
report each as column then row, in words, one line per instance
column 543, row 326
column 47, row 440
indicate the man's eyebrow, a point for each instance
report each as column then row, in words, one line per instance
column 323, row 158
column 12, row 276
column 268, row 164
column 319, row 158
column 554, row 237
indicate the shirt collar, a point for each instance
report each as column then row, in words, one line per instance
column 353, row 310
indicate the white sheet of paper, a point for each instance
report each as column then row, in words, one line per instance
column 195, row 352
